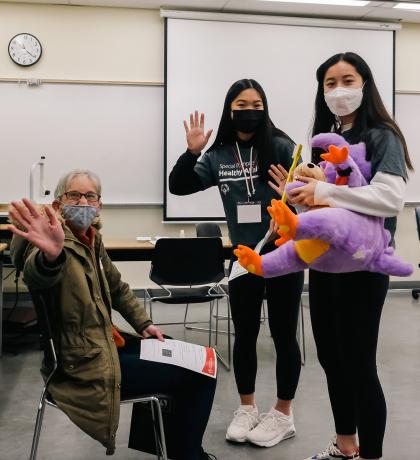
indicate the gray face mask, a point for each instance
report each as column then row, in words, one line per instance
column 79, row 218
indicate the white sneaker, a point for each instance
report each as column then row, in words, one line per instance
column 273, row 427
column 244, row 419
column 332, row 452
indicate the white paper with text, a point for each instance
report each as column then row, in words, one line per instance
column 197, row 358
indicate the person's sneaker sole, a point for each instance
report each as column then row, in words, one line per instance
column 236, row 440
column 274, row 441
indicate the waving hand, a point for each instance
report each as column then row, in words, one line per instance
column 44, row 232
column 196, row 136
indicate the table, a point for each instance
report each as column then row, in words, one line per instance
column 3, row 246
column 126, row 249
column 129, row 250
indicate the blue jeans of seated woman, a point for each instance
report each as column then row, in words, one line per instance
column 194, row 393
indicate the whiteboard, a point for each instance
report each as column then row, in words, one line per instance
column 407, row 115
column 205, row 57
column 114, row 130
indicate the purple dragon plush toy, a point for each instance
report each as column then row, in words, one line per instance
column 327, row 239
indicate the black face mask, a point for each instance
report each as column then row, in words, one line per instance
column 247, row 121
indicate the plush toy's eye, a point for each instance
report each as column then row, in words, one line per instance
column 311, row 165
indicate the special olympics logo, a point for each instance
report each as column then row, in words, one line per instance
column 224, row 189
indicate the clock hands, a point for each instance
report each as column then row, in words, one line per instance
column 24, row 47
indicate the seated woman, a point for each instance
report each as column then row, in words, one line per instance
column 61, row 249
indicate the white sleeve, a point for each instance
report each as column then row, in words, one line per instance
column 383, row 197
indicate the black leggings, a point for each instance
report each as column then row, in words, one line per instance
column 193, row 393
column 283, row 299
column 345, row 313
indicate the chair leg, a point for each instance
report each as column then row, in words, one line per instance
column 145, row 304
column 159, row 433
column 263, row 312
column 229, row 334
column 217, row 322
column 203, row 329
column 226, row 364
column 158, row 428
column 210, row 329
column 301, row 327
column 38, row 425
column 185, row 316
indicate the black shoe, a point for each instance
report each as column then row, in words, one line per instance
column 206, row 456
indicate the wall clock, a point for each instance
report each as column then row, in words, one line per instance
column 25, row 49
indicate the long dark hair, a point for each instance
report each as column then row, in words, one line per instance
column 371, row 113
column 263, row 137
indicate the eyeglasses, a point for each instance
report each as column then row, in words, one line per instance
column 91, row 197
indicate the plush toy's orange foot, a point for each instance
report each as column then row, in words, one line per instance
column 336, row 155
column 285, row 219
column 249, row 259
column 284, row 238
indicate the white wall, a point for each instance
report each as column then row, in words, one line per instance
column 407, row 64
column 407, row 70
column 85, row 43
column 88, row 43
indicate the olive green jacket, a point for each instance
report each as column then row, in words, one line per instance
column 85, row 286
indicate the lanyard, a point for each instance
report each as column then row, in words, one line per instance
column 244, row 171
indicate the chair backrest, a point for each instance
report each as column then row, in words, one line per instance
column 42, row 301
column 207, row 229
column 418, row 220
column 187, row 261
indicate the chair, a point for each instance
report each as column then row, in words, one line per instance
column 212, row 229
column 416, row 292
column 207, row 229
column 196, row 264
column 43, row 304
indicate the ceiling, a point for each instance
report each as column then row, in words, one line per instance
column 374, row 11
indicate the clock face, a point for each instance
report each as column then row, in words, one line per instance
column 25, row 49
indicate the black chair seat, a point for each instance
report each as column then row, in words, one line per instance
column 183, row 295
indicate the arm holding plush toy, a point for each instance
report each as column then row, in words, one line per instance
column 329, row 239
column 382, row 197
column 346, row 242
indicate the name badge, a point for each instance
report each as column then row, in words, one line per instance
column 249, row 212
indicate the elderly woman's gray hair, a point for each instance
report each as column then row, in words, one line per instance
column 66, row 178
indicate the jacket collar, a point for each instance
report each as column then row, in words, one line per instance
column 73, row 243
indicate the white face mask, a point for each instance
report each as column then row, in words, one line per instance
column 343, row 101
